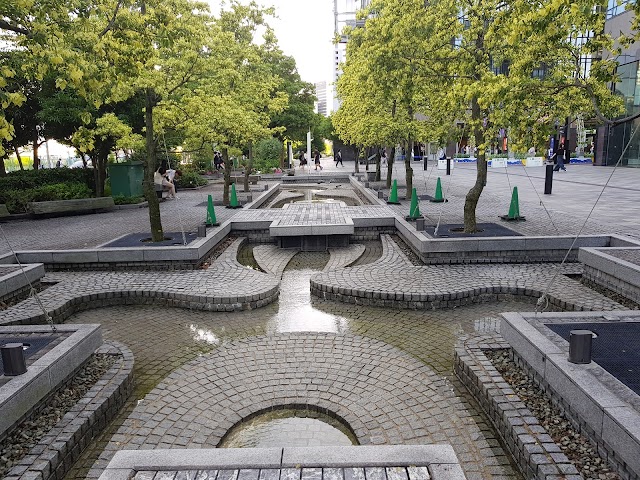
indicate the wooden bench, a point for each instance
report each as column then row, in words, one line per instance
column 3, row 210
column 81, row 205
column 254, row 179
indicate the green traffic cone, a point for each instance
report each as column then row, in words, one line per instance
column 438, row 198
column 514, row 208
column 233, row 203
column 414, row 209
column 211, row 213
column 393, row 196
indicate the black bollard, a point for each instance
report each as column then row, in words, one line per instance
column 425, row 163
column 580, row 346
column 448, row 165
column 548, row 179
column 13, row 359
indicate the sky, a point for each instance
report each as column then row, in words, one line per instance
column 304, row 29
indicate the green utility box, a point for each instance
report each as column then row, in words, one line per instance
column 126, row 179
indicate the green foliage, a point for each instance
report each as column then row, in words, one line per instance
column 28, row 179
column 16, row 200
column 190, row 179
column 268, row 149
column 123, row 200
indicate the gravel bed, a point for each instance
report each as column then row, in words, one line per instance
column 413, row 258
column 26, row 435
column 221, row 247
column 616, row 297
column 574, row 445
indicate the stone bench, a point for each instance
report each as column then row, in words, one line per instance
column 3, row 210
column 254, row 179
column 80, row 205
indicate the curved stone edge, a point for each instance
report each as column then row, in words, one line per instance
column 533, row 450
column 68, row 303
column 54, row 455
column 434, row 301
column 341, row 257
column 272, row 259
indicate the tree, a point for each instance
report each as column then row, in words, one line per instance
column 486, row 64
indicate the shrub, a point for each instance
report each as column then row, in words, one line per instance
column 123, row 200
column 26, row 179
column 190, row 179
column 17, row 200
column 267, row 154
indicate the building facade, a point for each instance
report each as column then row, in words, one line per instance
column 344, row 12
column 321, row 94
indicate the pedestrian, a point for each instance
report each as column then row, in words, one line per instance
column 316, row 159
column 339, row 158
column 303, row 159
column 383, row 157
column 560, row 157
column 532, row 152
column 442, row 155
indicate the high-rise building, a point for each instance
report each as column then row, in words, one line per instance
column 344, row 12
column 321, row 94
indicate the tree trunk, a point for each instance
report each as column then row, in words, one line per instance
column 35, row 143
column 378, row 160
column 471, row 200
column 357, row 158
column 248, row 168
column 3, row 170
column 15, row 149
column 283, row 153
column 227, row 175
column 367, row 154
column 155, row 222
column 408, row 171
column 391, row 155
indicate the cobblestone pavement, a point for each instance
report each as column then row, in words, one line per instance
column 162, row 339
column 563, row 212
column 225, row 285
column 274, row 260
column 393, row 279
column 89, row 231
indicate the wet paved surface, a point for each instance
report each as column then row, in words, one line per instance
column 164, row 339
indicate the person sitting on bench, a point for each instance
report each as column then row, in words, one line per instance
column 160, row 178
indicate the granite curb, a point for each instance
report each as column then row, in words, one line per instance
column 53, row 456
column 534, row 451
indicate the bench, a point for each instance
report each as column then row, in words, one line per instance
column 81, row 205
column 254, row 179
column 3, row 210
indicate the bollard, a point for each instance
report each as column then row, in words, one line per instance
column 202, row 230
column 580, row 346
column 420, row 224
column 448, row 165
column 13, row 359
column 266, row 187
column 548, row 179
column 249, row 198
column 426, row 166
column 380, row 194
column 366, row 184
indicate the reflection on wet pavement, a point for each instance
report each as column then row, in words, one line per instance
column 162, row 339
column 289, row 428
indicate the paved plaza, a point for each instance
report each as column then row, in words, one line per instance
column 262, row 327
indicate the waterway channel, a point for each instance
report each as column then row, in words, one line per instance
column 163, row 339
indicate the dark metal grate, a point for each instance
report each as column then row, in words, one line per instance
column 616, row 348
column 35, row 345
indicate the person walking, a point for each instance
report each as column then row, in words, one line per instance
column 339, row 158
column 303, row 159
column 316, row 159
column 560, row 157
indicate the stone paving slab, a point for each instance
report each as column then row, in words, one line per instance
column 225, row 285
column 398, row 462
column 386, row 396
column 273, row 259
column 341, row 257
column 435, row 286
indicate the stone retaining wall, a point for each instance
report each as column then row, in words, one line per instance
column 54, row 455
column 534, row 451
column 603, row 268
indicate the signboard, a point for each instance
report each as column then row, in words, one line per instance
column 534, row 161
column 498, row 163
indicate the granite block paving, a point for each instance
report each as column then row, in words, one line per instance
column 385, row 395
column 226, row 285
column 394, row 282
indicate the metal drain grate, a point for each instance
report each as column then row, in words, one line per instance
column 616, row 348
column 35, row 344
